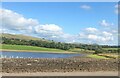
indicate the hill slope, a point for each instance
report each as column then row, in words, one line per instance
column 20, row 36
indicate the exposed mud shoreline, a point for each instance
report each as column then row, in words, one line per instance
column 21, row 65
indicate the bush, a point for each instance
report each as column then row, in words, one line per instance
column 98, row 51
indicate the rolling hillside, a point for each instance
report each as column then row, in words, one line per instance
column 20, row 36
column 25, row 47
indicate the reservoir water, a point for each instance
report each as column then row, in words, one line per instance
column 7, row 54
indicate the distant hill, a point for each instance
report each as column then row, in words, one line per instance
column 20, row 36
column 18, row 39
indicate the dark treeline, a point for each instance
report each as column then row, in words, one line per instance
column 108, row 46
column 48, row 44
column 56, row 45
column 39, row 43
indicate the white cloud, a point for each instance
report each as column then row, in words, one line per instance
column 93, row 37
column 92, row 30
column 81, row 35
column 50, row 27
column 107, row 33
column 117, row 7
column 48, row 30
column 14, row 21
column 114, row 31
column 86, row 7
column 3, row 31
column 98, row 38
column 105, row 23
column 116, row 11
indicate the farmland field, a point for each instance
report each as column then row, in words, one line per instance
column 78, row 50
column 28, row 48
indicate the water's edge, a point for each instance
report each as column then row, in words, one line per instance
column 9, row 54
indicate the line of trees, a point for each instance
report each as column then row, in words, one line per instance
column 39, row 43
column 56, row 45
column 88, row 46
column 108, row 46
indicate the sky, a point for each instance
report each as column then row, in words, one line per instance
column 71, row 22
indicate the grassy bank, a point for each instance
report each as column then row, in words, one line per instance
column 97, row 56
column 7, row 47
column 24, row 48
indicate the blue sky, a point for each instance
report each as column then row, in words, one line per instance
column 84, row 22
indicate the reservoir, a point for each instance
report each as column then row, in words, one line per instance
column 7, row 54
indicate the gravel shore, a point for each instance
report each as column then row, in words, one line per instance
column 31, row 65
column 100, row 73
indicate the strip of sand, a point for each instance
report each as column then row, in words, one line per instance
column 100, row 73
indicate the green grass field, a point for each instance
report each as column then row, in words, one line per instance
column 109, row 55
column 18, row 48
column 78, row 50
column 97, row 56
column 28, row 48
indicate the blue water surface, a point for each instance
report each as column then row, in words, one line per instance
column 7, row 54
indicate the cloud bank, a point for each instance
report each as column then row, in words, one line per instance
column 13, row 22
